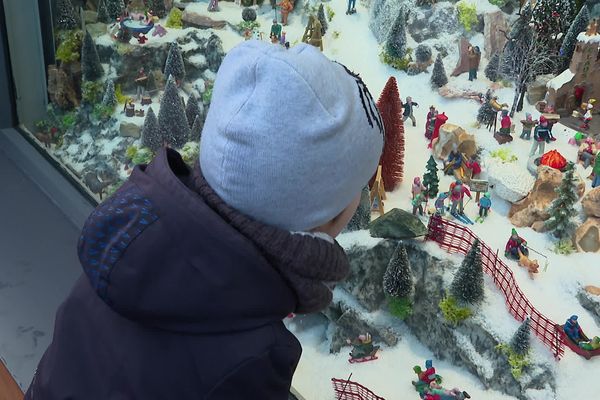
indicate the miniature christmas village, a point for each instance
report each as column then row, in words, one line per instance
column 475, row 250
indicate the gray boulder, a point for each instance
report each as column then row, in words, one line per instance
column 397, row 224
column 590, row 303
column 435, row 22
column 382, row 15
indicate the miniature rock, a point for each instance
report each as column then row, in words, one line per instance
column 591, row 203
column 130, row 129
column 438, row 21
column 90, row 17
column 494, row 23
column 533, row 208
column 510, row 181
column 196, row 20
column 451, row 135
column 536, row 90
column 96, row 29
column 587, row 236
column 398, row 224
column 590, row 302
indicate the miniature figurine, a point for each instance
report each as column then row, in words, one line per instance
column 440, row 207
column 573, row 330
column 437, row 392
column 286, row 8
column 351, row 10
column 541, row 136
column 129, row 108
column 596, row 172
column 425, row 377
column 275, row 34
column 474, row 58
column 213, row 5
column 282, row 40
column 142, row 38
column 313, row 33
column 417, row 187
column 440, row 119
column 474, row 166
column 587, row 117
column 408, row 110
column 528, row 124
column 532, row 265
column 485, row 203
column 457, row 194
column 515, row 245
column 417, row 203
column 505, row 123
column 159, row 31
column 362, row 349
column 430, row 121
column 588, row 152
column 590, row 345
column 454, row 160
column 140, row 82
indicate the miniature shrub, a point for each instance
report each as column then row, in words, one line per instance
column 330, row 13
column 423, row 53
column 102, row 112
column 516, row 361
column 91, row 92
column 207, row 95
column 248, row 14
column 190, row 152
column 69, row 49
column 131, row 152
column 503, row 154
column 174, row 19
column 247, row 25
column 467, row 15
column 142, row 156
column 121, row 98
column 564, row 247
column 499, row 3
column 453, row 313
column 398, row 63
column 68, row 121
column 400, row 307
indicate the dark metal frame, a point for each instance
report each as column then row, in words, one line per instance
column 5, row 57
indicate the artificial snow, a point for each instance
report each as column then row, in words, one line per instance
column 560, row 80
column 585, row 38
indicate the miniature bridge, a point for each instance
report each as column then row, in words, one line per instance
column 455, row 238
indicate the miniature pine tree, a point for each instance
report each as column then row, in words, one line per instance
column 66, row 16
column 397, row 280
column 150, row 133
column 192, row 109
column 110, row 98
column 396, row 42
column 491, row 70
column 438, row 76
column 362, row 217
column 430, row 179
column 322, row 19
column 172, row 121
column 158, row 8
column 520, row 340
column 114, row 9
column 551, row 20
column 486, row 114
column 174, row 64
column 392, row 159
column 90, row 62
column 196, row 134
column 103, row 15
column 562, row 208
column 467, row 285
column 570, row 41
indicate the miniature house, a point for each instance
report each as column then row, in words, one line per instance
column 584, row 71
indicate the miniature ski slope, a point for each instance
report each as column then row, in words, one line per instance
column 552, row 292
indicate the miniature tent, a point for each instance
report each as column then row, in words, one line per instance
column 554, row 160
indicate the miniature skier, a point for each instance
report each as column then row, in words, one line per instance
column 528, row 124
column 286, row 8
column 541, row 136
column 485, row 203
column 362, row 349
column 275, row 32
column 474, row 166
column 430, row 122
column 417, row 187
column 408, row 110
column 515, row 245
column 454, row 160
column 440, row 207
column 588, row 151
column 351, row 5
column 417, row 203
column 573, row 330
column 457, row 194
column 505, row 124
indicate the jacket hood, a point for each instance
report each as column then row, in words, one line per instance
column 157, row 253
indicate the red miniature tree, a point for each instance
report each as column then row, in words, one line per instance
column 392, row 159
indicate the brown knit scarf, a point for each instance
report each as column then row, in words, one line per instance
column 306, row 263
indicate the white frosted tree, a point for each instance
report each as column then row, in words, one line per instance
column 91, row 68
column 196, row 132
column 491, row 69
column 109, row 99
column 172, row 121
column 362, row 217
column 438, row 76
column 467, row 285
column 151, row 137
column 66, row 17
column 562, row 210
column 192, row 110
column 114, row 9
column 322, row 19
column 397, row 280
column 103, row 15
column 520, row 340
column 570, row 41
column 396, row 42
column 174, row 65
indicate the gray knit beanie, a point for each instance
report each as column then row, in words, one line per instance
column 291, row 137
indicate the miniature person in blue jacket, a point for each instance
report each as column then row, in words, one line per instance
column 572, row 329
column 485, row 203
column 440, row 207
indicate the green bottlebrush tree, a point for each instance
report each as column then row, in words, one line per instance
column 438, row 76
column 520, row 340
column 486, row 114
column 397, row 280
column 158, row 8
column 114, row 8
column 467, row 285
column 322, row 19
column 192, row 110
column 396, row 42
column 430, row 179
column 491, row 70
column 172, row 121
column 150, row 133
column 196, row 134
column 103, row 15
column 570, row 41
column 174, row 65
column 90, row 61
column 562, row 209
column 109, row 99
column 362, row 217
column 66, row 17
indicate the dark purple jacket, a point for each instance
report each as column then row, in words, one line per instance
column 182, row 297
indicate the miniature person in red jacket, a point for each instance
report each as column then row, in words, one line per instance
column 440, row 120
column 515, row 245
column 474, row 166
column 430, row 122
column 429, row 374
column 457, row 194
column 505, row 123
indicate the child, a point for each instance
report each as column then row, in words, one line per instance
column 440, row 207
column 417, row 203
column 188, row 273
column 485, row 203
column 417, row 187
column 408, row 110
column 528, row 124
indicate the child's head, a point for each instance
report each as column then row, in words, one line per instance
column 290, row 138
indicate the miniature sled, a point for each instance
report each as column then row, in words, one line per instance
column 370, row 357
column 587, row 354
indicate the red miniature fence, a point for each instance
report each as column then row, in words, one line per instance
column 456, row 238
column 348, row 390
